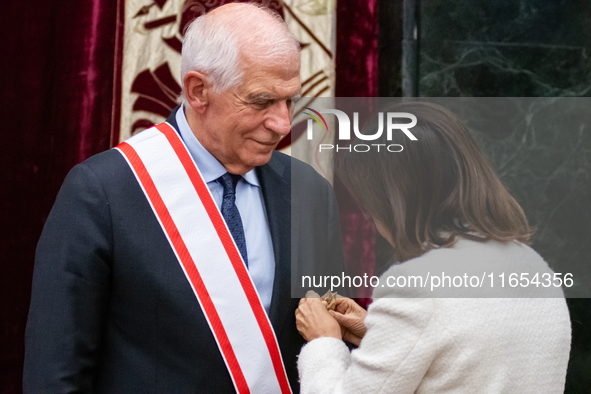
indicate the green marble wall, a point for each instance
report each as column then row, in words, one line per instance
column 513, row 48
column 526, row 48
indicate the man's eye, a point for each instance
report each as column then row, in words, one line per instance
column 261, row 104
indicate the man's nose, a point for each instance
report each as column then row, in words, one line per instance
column 279, row 119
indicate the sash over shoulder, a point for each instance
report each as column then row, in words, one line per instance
column 208, row 256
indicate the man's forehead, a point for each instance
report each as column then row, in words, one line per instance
column 252, row 61
column 271, row 83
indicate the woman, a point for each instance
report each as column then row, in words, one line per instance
column 440, row 205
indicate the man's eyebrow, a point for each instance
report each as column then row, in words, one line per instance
column 268, row 96
column 259, row 96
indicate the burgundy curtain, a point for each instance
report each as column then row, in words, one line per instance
column 56, row 78
column 356, row 76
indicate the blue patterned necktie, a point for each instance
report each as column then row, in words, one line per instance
column 231, row 214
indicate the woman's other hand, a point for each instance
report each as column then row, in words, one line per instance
column 313, row 320
column 351, row 317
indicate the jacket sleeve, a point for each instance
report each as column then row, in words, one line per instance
column 394, row 355
column 70, row 289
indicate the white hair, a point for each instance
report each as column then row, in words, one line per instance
column 213, row 43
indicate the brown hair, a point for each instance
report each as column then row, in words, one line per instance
column 437, row 189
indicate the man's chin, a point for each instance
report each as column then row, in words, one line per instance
column 259, row 157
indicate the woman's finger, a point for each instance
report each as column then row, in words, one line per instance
column 344, row 320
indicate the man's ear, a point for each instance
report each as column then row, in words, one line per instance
column 196, row 90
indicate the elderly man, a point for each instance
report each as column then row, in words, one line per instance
column 139, row 285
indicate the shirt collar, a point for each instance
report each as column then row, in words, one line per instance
column 210, row 168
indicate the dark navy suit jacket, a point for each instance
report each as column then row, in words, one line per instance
column 111, row 310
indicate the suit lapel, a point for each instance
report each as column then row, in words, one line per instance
column 276, row 186
column 171, row 120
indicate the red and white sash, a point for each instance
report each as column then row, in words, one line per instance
column 209, row 258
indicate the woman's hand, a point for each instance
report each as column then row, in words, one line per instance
column 351, row 317
column 313, row 320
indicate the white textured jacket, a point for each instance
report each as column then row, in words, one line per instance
column 450, row 345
